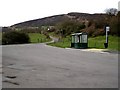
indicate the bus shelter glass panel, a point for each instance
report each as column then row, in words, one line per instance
column 73, row 39
column 80, row 39
column 76, row 39
column 84, row 39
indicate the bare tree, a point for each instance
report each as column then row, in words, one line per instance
column 111, row 11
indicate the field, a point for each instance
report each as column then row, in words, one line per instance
column 38, row 38
column 95, row 42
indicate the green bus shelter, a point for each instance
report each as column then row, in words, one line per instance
column 79, row 40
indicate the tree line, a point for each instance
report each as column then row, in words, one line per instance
column 94, row 27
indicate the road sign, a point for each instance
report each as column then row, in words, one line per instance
column 107, row 28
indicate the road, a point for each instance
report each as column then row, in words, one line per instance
column 42, row 66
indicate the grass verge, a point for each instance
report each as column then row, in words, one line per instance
column 64, row 43
column 95, row 42
column 98, row 42
column 38, row 38
column 0, row 38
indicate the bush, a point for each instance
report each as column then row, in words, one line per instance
column 68, row 27
column 100, row 23
column 14, row 37
column 115, row 25
column 90, row 30
column 98, row 32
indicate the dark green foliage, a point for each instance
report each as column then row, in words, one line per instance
column 69, row 27
column 97, row 27
column 118, row 16
column 14, row 37
column 115, row 25
column 98, row 32
column 100, row 23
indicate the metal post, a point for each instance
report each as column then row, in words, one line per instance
column 106, row 29
column 106, row 36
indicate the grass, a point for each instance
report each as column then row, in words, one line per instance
column 95, row 42
column 98, row 42
column 0, row 35
column 0, row 38
column 38, row 38
column 64, row 43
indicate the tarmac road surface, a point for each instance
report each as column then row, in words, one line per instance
column 42, row 66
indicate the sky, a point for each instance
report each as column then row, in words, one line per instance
column 16, row 11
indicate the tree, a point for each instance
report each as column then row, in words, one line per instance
column 68, row 27
column 118, row 16
column 111, row 11
column 114, row 21
column 115, row 25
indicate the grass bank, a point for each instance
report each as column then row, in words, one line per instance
column 0, row 38
column 63, row 43
column 0, row 35
column 95, row 42
column 98, row 42
column 38, row 38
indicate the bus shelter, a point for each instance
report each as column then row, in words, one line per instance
column 79, row 40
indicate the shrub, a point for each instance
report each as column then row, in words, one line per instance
column 100, row 23
column 14, row 37
column 98, row 32
column 90, row 30
column 68, row 27
column 115, row 25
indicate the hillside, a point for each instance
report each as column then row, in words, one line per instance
column 47, row 21
column 53, row 20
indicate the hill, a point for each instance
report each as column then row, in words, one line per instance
column 53, row 20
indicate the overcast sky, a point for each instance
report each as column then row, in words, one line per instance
column 15, row 11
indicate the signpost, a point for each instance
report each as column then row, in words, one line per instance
column 107, row 29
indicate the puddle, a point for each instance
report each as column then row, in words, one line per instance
column 19, row 67
column 15, row 83
column 11, row 77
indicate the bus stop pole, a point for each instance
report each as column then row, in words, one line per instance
column 107, row 29
column 106, row 36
